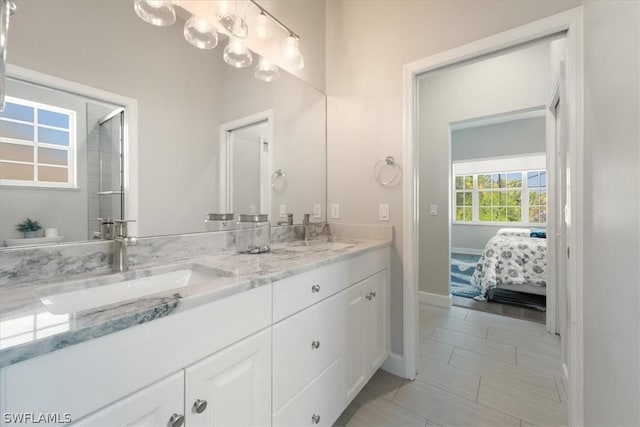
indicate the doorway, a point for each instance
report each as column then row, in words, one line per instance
column 245, row 164
column 571, row 23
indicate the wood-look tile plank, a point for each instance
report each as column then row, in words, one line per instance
column 526, row 406
column 504, row 322
column 456, row 381
column 533, row 342
column 447, row 408
column 384, row 384
column 435, row 350
column 482, row 346
column 453, row 324
column 369, row 410
column 509, row 376
column 562, row 390
column 540, row 362
column 432, row 310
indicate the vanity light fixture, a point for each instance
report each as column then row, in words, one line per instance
column 156, row 12
column 237, row 54
column 200, row 33
column 266, row 71
column 204, row 33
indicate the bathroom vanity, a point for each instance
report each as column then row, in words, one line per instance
column 285, row 338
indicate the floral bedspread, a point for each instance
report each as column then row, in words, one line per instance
column 511, row 260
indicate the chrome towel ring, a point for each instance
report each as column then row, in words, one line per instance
column 381, row 165
column 278, row 181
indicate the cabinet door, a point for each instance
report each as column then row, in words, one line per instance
column 377, row 320
column 150, row 407
column 234, row 384
column 355, row 366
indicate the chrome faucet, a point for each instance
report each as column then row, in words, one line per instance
column 120, row 244
column 306, row 222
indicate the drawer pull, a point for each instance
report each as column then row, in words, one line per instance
column 315, row 419
column 373, row 294
column 176, row 420
column 315, row 288
column 200, row 405
column 369, row 297
column 315, row 345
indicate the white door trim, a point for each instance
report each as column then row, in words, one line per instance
column 130, row 128
column 225, row 202
column 571, row 22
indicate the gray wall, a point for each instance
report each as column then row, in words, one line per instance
column 512, row 138
column 484, row 88
column 368, row 42
column 611, row 289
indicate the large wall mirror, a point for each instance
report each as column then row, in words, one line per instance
column 161, row 131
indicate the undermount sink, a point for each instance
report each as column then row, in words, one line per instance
column 85, row 294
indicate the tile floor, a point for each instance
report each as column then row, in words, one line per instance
column 475, row 369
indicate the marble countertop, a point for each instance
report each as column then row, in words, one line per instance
column 28, row 330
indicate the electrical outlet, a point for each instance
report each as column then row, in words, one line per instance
column 433, row 210
column 384, row 212
column 317, row 211
column 283, row 211
column 335, row 211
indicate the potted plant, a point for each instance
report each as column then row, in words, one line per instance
column 29, row 228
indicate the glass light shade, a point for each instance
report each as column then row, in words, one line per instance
column 200, row 33
column 156, row 12
column 234, row 26
column 262, row 26
column 266, row 71
column 237, row 54
column 292, row 53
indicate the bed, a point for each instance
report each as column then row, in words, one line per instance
column 513, row 261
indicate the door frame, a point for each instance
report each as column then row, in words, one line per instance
column 571, row 22
column 226, row 166
column 100, row 96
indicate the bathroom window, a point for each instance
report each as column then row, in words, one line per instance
column 37, row 145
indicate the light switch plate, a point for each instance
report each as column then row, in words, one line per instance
column 384, row 212
column 283, row 211
column 317, row 211
column 433, row 210
column 335, row 211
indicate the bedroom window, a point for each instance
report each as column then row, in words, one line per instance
column 518, row 197
column 464, row 198
column 37, row 145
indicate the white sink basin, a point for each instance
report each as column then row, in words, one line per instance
column 98, row 292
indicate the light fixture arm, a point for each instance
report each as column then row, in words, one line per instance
column 276, row 20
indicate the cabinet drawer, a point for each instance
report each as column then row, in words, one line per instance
column 297, row 292
column 320, row 403
column 304, row 345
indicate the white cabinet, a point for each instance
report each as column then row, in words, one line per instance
column 367, row 331
column 232, row 387
column 161, row 404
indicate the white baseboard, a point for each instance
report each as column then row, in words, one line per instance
column 434, row 299
column 394, row 365
column 467, row 251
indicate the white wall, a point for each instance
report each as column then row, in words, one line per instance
column 611, row 236
column 368, row 42
column 246, row 149
column 511, row 138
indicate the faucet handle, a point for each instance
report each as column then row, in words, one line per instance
column 306, row 219
column 120, row 226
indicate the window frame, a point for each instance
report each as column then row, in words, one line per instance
column 524, row 199
column 71, row 149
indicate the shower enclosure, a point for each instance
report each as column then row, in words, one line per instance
column 106, row 170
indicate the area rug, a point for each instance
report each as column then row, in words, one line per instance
column 462, row 268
